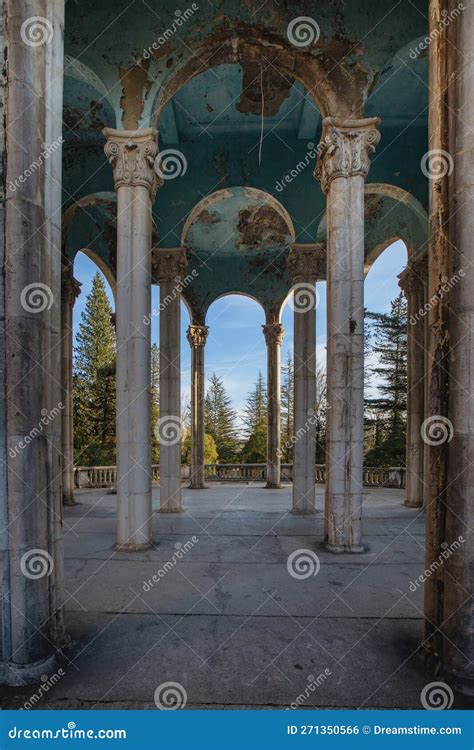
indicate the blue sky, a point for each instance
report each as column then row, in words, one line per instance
column 235, row 347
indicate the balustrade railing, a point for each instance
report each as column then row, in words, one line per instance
column 106, row 476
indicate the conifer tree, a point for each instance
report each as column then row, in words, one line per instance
column 389, row 347
column 255, row 420
column 94, row 381
column 220, row 420
column 287, row 410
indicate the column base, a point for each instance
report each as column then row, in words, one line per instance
column 273, row 486
column 68, row 501
column 308, row 512
column 171, row 510
column 198, row 487
column 22, row 675
column 130, row 547
column 354, row 549
column 413, row 505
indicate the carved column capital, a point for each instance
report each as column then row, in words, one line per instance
column 133, row 156
column 345, row 149
column 170, row 264
column 307, row 263
column 71, row 289
column 414, row 277
column 274, row 333
column 197, row 335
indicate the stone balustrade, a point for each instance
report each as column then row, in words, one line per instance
column 106, row 476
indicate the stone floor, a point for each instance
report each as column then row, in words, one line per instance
column 228, row 621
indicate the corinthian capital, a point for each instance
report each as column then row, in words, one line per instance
column 345, row 148
column 274, row 333
column 71, row 288
column 307, row 262
column 169, row 265
column 197, row 335
column 132, row 154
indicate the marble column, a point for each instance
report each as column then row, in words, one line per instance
column 343, row 163
column 273, row 332
column 197, row 336
column 30, row 362
column 304, row 267
column 458, row 607
column 132, row 155
column 412, row 282
column 70, row 291
column 170, row 268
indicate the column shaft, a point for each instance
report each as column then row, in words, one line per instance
column 197, row 335
column 170, row 268
column 413, row 285
column 70, row 290
column 304, row 268
column 273, row 332
column 342, row 166
column 131, row 154
column 30, row 422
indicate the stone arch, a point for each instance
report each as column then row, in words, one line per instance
column 237, row 294
column 245, row 46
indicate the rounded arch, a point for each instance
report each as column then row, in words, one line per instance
column 103, row 268
column 235, row 294
column 245, row 46
column 252, row 194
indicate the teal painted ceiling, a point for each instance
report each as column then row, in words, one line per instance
column 238, row 104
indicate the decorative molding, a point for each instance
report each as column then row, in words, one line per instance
column 307, row 262
column 133, row 156
column 197, row 335
column 345, row 149
column 70, row 289
column 414, row 277
column 170, row 264
column 274, row 333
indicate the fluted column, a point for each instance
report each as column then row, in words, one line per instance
column 303, row 266
column 343, row 163
column 273, row 332
column 412, row 282
column 170, row 268
column 197, row 336
column 132, row 155
column 70, row 291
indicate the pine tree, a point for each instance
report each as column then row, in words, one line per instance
column 155, row 403
column 94, row 381
column 220, row 420
column 389, row 336
column 255, row 420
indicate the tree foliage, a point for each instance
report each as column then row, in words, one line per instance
column 220, row 420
